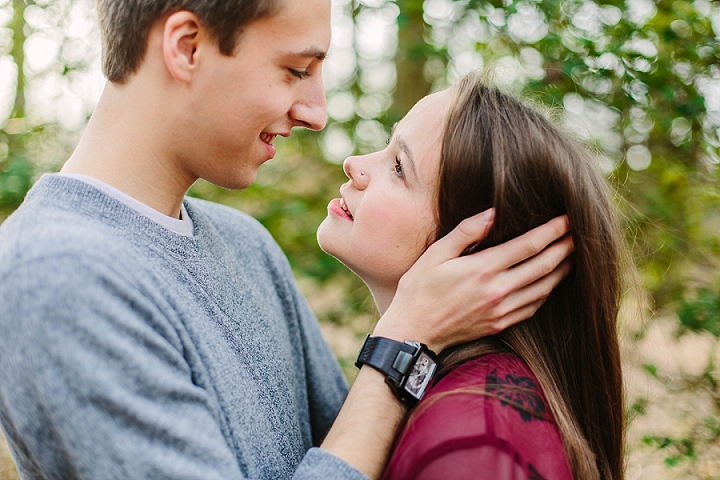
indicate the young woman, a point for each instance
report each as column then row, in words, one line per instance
column 542, row 399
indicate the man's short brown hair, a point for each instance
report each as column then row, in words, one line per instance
column 125, row 24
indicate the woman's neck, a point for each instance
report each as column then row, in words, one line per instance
column 383, row 296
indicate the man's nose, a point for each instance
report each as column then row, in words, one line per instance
column 310, row 111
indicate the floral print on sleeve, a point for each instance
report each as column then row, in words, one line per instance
column 519, row 392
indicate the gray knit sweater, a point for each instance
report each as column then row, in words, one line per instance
column 128, row 351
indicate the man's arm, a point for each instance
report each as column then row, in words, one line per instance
column 443, row 301
column 94, row 383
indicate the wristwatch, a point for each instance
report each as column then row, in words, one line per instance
column 408, row 367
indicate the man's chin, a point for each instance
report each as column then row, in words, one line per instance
column 239, row 181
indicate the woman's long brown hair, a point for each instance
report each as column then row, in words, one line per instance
column 498, row 152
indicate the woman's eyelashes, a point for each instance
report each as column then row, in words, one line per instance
column 398, row 168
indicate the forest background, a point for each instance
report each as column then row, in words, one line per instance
column 639, row 80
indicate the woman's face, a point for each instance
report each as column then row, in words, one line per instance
column 386, row 214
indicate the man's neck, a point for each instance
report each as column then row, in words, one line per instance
column 126, row 145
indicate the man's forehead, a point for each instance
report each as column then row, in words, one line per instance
column 298, row 29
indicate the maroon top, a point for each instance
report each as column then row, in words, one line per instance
column 459, row 432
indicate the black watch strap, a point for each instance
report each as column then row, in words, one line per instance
column 384, row 355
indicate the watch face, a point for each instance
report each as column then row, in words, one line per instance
column 420, row 376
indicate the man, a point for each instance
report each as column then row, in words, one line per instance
column 144, row 335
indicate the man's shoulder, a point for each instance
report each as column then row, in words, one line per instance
column 39, row 231
column 41, row 222
column 237, row 228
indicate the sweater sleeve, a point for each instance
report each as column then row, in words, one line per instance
column 326, row 385
column 94, row 385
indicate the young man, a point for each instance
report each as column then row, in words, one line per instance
column 144, row 335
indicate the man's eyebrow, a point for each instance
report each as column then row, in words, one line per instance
column 310, row 53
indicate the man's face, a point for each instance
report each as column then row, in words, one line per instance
column 272, row 83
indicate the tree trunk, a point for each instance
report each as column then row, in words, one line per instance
column 411, row 85
column 17, row 25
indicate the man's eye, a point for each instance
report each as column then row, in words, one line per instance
column 398, row 168
column 299, row 73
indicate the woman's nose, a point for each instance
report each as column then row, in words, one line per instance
column 355, row 171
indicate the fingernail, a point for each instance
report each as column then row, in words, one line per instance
column 488, row 215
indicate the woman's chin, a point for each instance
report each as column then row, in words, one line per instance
column 324, row 238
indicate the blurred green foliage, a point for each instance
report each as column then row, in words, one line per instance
column 15, row 179
column 701, row 433
column 16, row 170
column 702, row 313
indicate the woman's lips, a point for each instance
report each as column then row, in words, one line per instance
column 345, row 208
column 335, row 208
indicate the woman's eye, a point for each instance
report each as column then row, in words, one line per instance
column 398, row 168
column 299, row 73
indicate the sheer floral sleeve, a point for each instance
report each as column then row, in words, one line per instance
column 486, row 419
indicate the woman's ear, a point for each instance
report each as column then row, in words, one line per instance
column 181, row 38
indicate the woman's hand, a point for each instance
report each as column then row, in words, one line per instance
column 445, row 299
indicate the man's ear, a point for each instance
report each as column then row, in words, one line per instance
column 181, row 38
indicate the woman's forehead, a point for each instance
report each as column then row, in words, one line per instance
column 421, row 132
column 427, row 115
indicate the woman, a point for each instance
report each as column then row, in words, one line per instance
column 542, row 399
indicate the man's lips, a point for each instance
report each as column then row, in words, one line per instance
column 268, row 137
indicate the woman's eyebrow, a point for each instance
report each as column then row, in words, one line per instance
column 404, row 147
